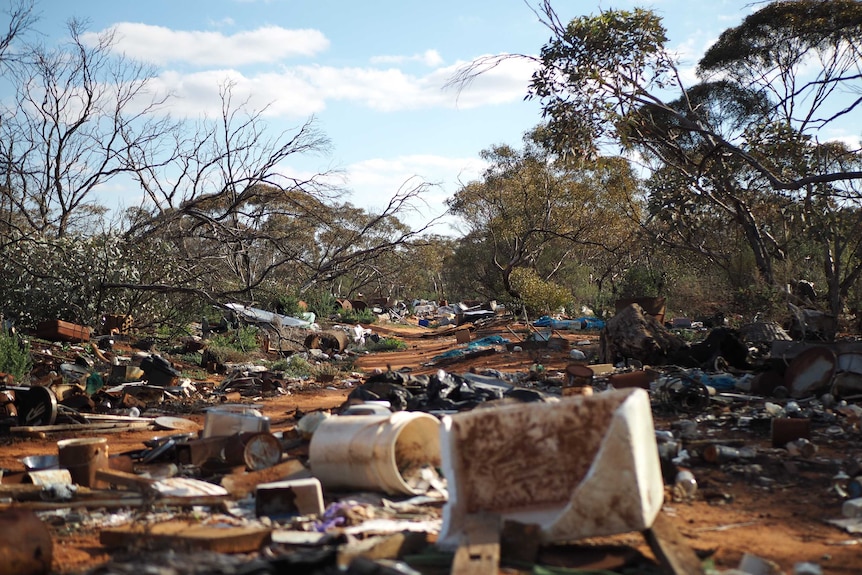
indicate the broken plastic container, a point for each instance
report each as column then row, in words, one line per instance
column 375, row 452
column 584, row 466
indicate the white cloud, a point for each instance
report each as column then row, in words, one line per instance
column 852, row 141
column 281, row 94
column 304, row 90
column 373, row 182
column 429, row 58
column 391, row 89
column 226, row 21
column 506, row 82
column 161, row 46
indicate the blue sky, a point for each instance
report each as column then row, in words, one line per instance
column 371, row 73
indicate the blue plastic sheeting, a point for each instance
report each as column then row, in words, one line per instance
column 585, row 322
column 718, row 381
column 489, row 341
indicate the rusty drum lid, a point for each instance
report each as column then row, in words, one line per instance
column 810, row 371
column 262, row 450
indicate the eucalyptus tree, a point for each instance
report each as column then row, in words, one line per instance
column 786, row 75
column 536, row 210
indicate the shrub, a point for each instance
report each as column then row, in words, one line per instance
column 66, row 277
column 294, row 366
column 14, row 356
column 224, row 354
column 322, row 303
column 243, row 339
column 353, row 317
column 287, row 304
column 539, row 296
column 387, row 344
column 325, row 371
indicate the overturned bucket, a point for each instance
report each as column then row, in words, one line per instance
column 375, row 452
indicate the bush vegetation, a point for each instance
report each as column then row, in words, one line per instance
column 351, row 316
column 387, row 344
column 15, row 356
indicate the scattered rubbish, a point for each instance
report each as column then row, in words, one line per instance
column 176, row 423
column 211, row 535
column 811, row 371
column 83, row 457
column 58, row 330
column 310, row 422
column 496, row 466
column 754, row 565
column 40, row 462
column 852, row 508
column 256, row 315
column 684, row 486
column 48, row 477
column 226, row 420
column 802, row 447
column 254, row 450
column 286, row 498
column 786, row 429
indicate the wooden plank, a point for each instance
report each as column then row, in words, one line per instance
column 241, row 484
column 27, row 429
column 115, row 477
column 188, row 535
column 118, row 500
column 479, row 554
column 674, row 554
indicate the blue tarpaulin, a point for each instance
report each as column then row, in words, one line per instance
column 483, row 343
column 585, row 322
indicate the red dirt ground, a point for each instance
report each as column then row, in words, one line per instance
column 780, row 520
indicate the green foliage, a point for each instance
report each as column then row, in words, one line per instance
column 242, row 340
column 66, row 278
column 759, row 299
column 351, row 316
column 583, row 68
column 387, row 344
column 539, row 296
column 642, row 281
column 225, row 353
column 321, row 302
column 765, row 36
column 172, row 330
column 15, row 356
column 190, row 358
column 287, row 304
column 325, row 371
column 294, row 366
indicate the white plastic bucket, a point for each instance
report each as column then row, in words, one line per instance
column 374, row 452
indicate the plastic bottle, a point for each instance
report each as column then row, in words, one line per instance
column 685, row 486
